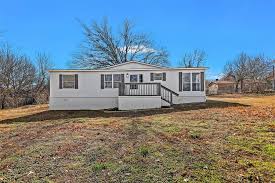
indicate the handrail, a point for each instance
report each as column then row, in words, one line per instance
column 170, row 90
column 167, row 94
column 147, row 89
column 139, row 89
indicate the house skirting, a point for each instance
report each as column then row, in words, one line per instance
column 138, row 102
column 120, row 102
column 83, row 103
column 189, row 99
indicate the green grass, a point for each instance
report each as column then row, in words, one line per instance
column 269, row 149
column 144, row 151
column 100, row 166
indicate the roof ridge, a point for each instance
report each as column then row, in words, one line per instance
column 137, row 62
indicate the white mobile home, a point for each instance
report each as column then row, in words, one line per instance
column 131, row 85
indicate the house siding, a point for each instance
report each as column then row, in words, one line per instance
column 90, row 96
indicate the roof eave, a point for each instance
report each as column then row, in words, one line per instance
column 116, row 70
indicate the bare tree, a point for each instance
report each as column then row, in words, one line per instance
column 252, row 69
column 196, row 58
column 21, row 81
column 17, row 74
column 6, row 60
column 258, row 68
column 102, row 47
column 238, row 68
column 41, row 83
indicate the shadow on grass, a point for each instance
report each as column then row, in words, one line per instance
column 61, row 115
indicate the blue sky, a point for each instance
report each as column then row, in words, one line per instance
column 223, row 28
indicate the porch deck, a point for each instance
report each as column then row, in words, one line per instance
column 145, row 91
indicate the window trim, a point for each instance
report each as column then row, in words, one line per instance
column 190, row 81
column 68, row 81
column 121, row 76
column 134, row 75
column 120, row 81
column 108, row 81
column 199, row 83
column 154, row 76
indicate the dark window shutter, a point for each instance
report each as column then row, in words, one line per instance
column 76, row 81
column 152, row 76
column 102, row 81
column 164, row 76
column 180, row 81
column 202, row 81
column 60, row 81
column 141, row 78
column 122, row 78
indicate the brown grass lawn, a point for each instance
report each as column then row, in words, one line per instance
column 227, row 139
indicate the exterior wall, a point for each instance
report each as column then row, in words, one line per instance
column 138, row 102
column 226, row 88
column 89, row 94
column 213, row 89
column 221, row 87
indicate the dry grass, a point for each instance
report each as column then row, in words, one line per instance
column 248, row 100
column 22, row 111
column 227, row 139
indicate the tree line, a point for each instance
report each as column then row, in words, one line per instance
column 22, row 80
column 250, row 69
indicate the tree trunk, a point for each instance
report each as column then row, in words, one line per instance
column 236, row 87
column 241, row 86
column 3, row 103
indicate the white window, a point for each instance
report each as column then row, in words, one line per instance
column 68, row 81
column 186, row 81
column 158, row 76
column 196, row 82
column 117, row 79
column 108, row 81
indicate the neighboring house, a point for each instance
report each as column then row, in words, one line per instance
column 130, row 85
column 220, row 87
column 225, row 85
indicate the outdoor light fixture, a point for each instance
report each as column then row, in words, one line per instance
column 127, row 75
